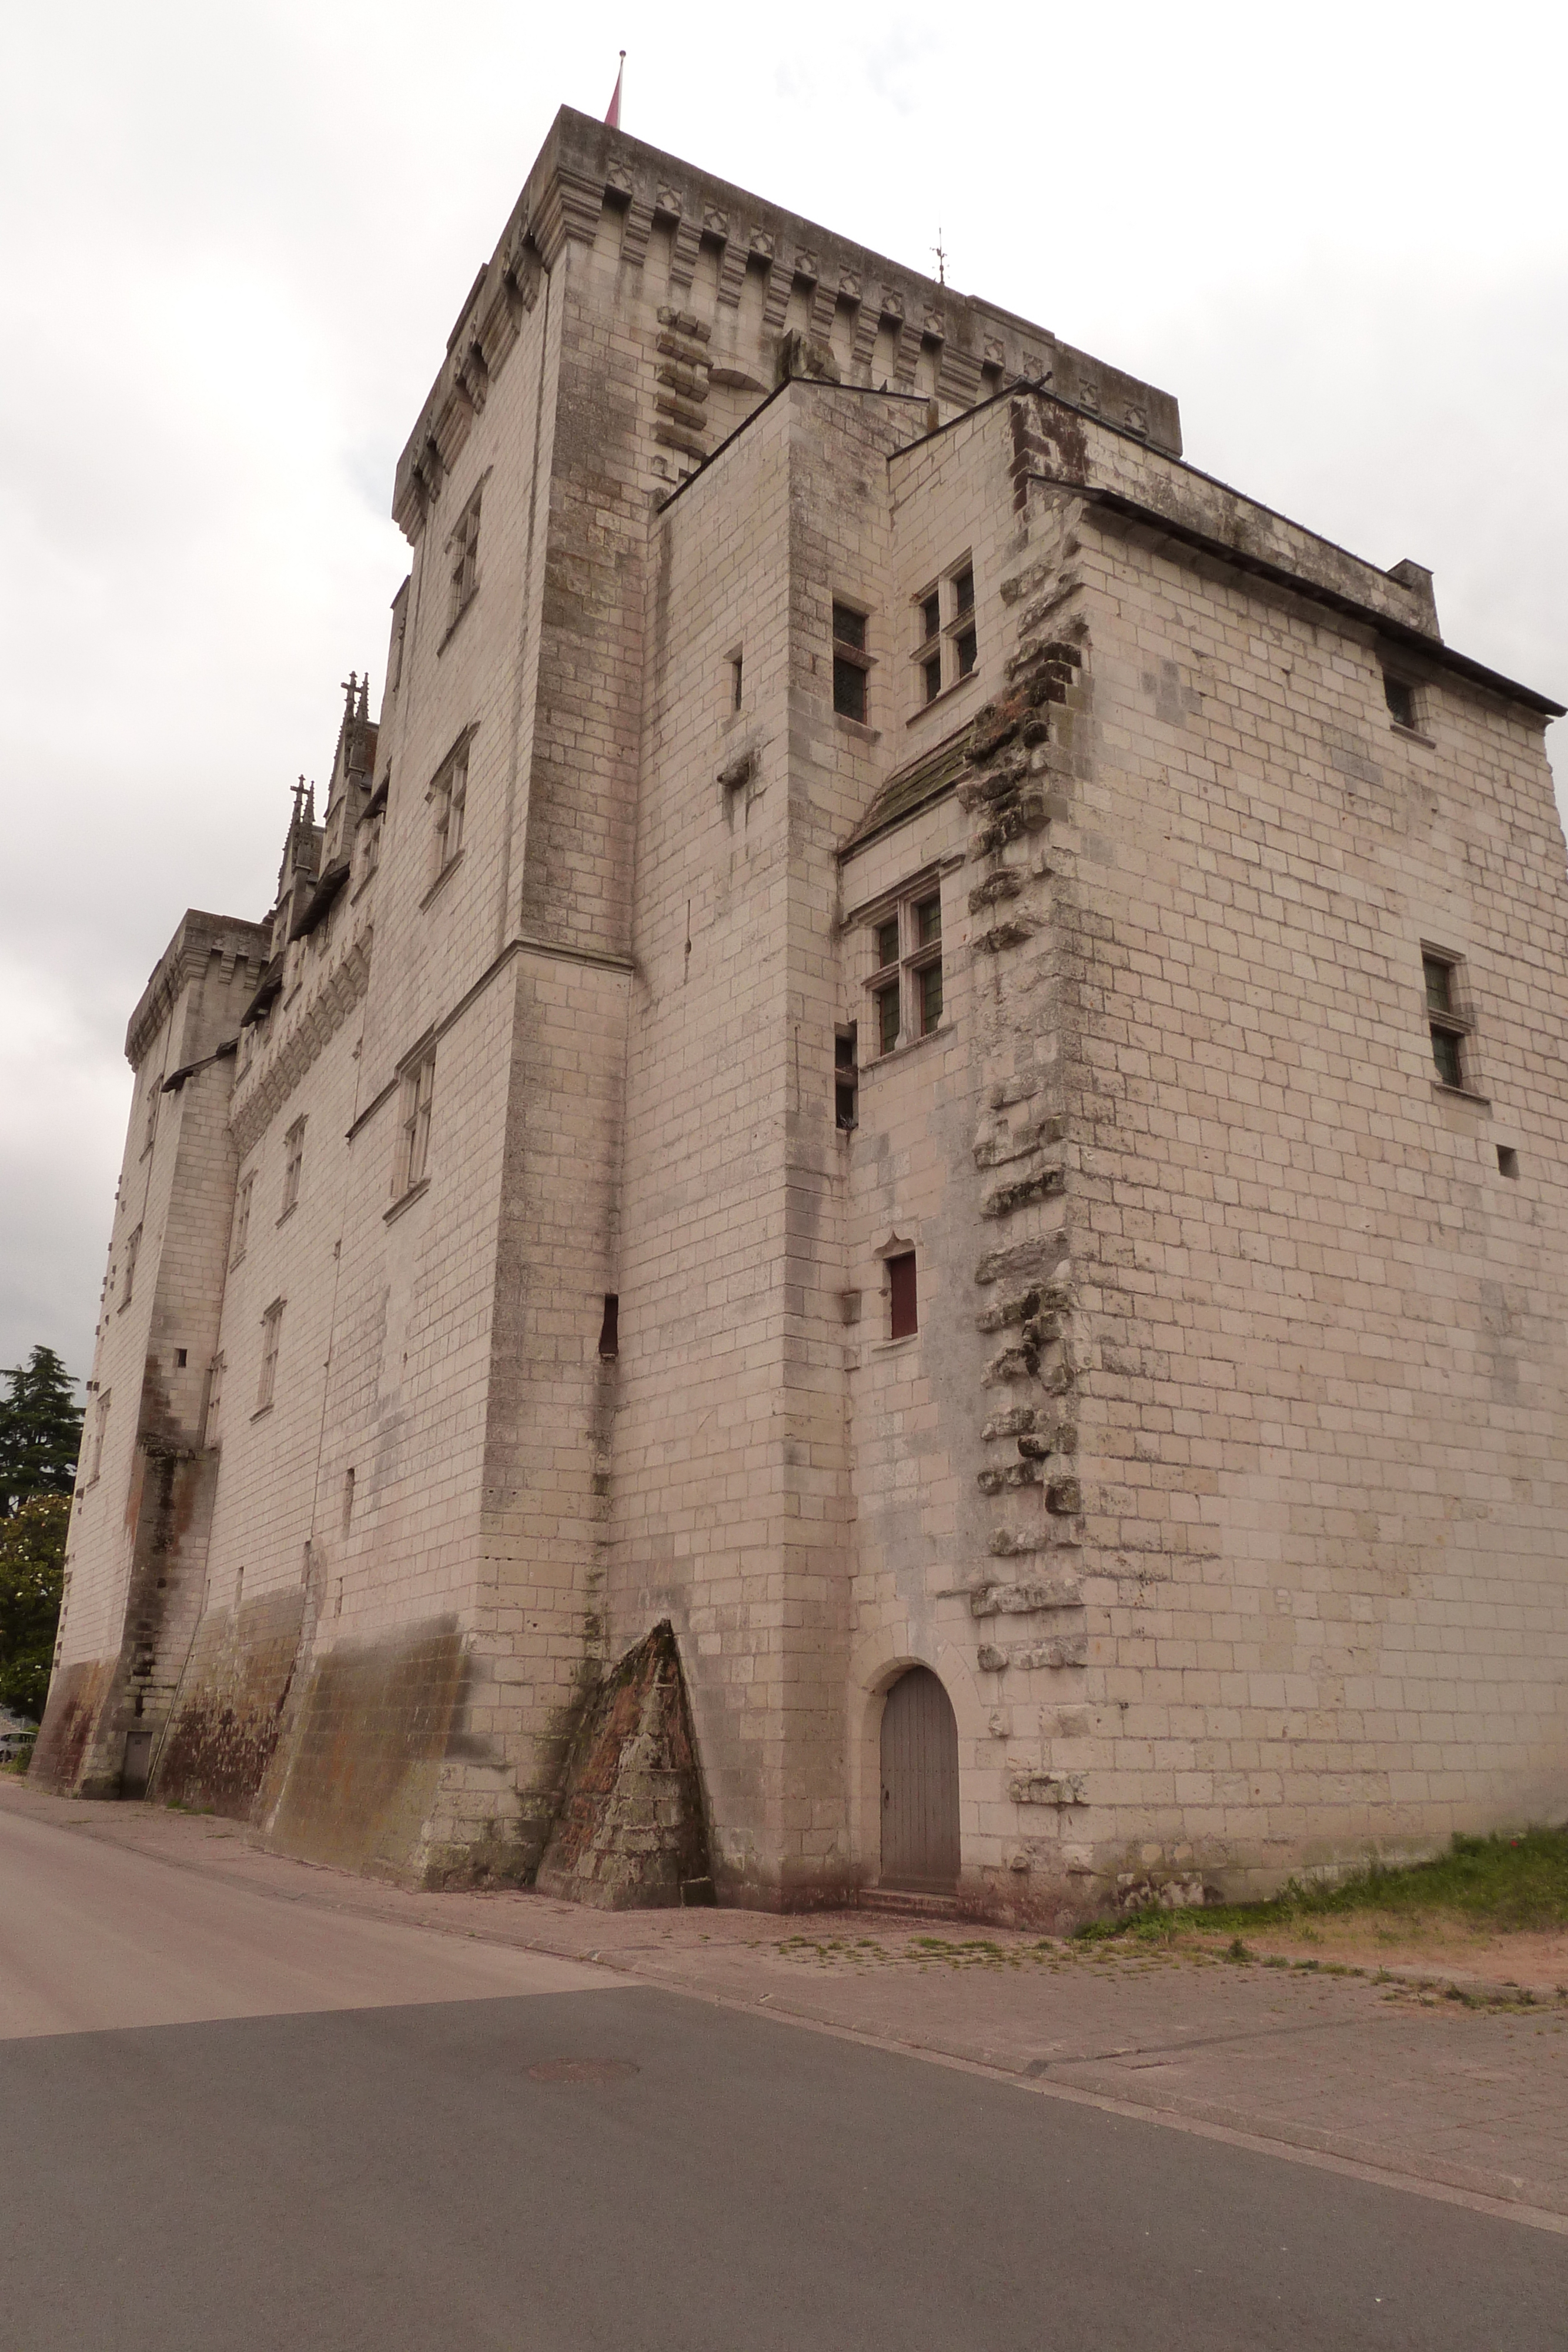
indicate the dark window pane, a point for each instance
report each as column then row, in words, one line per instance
column 968, row 653
column 963, row 589
column 844, row 1048
column 1439, row 978
column 844, row 1101
column 848, row 689
column 887, row 1019
column 1446, row 1054
column 931, row 613
column 609, row 1329
column 905, row 1310
column 1400, row 698
column 930, row 997
column 849, row 627
column 932, row 675
column 887, row 942
column 928, row 921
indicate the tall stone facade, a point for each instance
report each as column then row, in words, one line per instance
column 921, row 1039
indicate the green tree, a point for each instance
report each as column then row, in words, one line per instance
column 40, row 1431
column 32, row 1577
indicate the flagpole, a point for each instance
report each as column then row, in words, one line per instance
column 613, row 117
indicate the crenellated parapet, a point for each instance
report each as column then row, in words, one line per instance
column 740, row 274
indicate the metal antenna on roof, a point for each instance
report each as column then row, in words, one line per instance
column 941, row 257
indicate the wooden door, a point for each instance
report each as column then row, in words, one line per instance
column 919, row 1785
column 138, row 1762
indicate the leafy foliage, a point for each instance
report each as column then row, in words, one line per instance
column 40, row 1431
column 32, row 1575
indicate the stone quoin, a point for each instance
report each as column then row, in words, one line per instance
column 886, row 1199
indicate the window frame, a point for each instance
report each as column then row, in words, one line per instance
column 242, row 1194
column 271, row 1342
column 415, row 1111
column 293, row 1167
column 903, row 1294
column 946, row 654
column 132, row 1252
column 447, row 794
column 463, row 559
column 100, row 1432
column 905, row 980
column 1395, row 682
column 850, row 660
column 1452, row 1018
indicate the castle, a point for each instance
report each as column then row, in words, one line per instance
column 886, row 1203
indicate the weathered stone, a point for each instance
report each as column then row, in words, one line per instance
column 1021, row 1600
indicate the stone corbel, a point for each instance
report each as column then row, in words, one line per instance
column 568, row 212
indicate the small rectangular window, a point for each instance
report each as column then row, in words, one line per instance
column 449, row 794
column 1400, row 697
column 848, row 689
column 1506, row 1160
column 929, row 981
column 1447, row 1056
column 271, row 1332
column 418, row 1097
column 293, row 1160
column 132, row 1251
column 904, row 1306
column 887, row 943
column 931, row 615
column 928, row 922
column 1440, row 980
column 966, row 646
column 1448, row 1022
column 463, row 551
column 846, row 1079
column 100, row 1430
column 242, row 1216
column 348, row 1499
column 886, row 1003
column 850, row 662
column 214, row 1400
column 963, row 592
column 737, row 674
column 609, row 1328
column 931, row 675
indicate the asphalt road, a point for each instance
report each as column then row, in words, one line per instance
column 231, row 2120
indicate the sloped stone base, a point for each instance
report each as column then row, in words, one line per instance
column 632, row 1829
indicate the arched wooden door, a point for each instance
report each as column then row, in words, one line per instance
column 919, row 1785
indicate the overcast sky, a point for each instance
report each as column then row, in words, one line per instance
column 236, row 238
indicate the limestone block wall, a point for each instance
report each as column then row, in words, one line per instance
column 1327, row 1369
column 136, row 1550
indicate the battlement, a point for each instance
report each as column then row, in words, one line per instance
column 591, row 182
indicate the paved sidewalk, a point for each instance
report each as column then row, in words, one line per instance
column 1393, row 2077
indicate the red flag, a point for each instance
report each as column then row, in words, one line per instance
column 613, row 117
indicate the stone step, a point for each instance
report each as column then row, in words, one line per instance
column 900, row 1902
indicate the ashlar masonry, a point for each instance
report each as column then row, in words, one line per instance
column 885, row 1203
